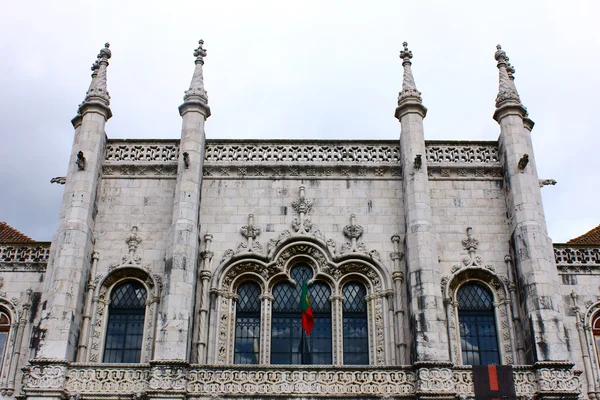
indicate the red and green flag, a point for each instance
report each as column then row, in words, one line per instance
column 307, row 315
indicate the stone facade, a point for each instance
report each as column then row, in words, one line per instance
column 190, row 220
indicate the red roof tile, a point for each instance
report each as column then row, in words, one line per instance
column 591, row 237
column 8, row 234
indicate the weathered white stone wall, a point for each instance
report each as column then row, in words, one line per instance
column 479, row 204
column 124, row 203
column 226, row 204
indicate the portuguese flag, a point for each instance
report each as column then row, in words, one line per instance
column 307, row 316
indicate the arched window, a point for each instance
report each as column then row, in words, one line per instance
column 125, row 328
column 247, row 324
column 289, row 344
column 4, row 332
column 478, row 336
column 356, row 335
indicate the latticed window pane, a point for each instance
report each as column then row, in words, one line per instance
column 247, row 324
column 289, row 344
column 355, row 325
column 478, row 336
column 474, row 297
column 125, row 328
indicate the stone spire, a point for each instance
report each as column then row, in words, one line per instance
column 98, row 93
column 409, row 93
column 196, row 92
column 507, row 91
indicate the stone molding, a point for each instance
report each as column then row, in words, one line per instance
column 24, row 257
column 112, row 381
column 233, row 159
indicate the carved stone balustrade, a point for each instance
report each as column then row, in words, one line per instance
column 291, row 159
column 24, row 257
column 577, row 259
column 46, row 378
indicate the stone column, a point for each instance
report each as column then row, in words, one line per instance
column 534, row 255
column 71, row 255
column 337, row 322
column 427, row 320
column 176, row 308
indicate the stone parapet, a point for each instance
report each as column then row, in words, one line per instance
column 45, row 378
column 567, row 255
column 24, row 257
column 291, row 159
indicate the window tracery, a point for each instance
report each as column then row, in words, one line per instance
column 478, row 336
column 280, row 280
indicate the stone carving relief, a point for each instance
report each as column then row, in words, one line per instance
column 471, row 243
column 281, row 257
column 130, row 267
column 556, row 381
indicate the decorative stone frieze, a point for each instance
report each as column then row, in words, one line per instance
column 113, row 381
column 29, row 257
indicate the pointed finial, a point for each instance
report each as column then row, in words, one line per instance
column 200, row 52
column 409, row 93
column 406, row 54
column 507, row 91
column 97, row 93
column 196, row 92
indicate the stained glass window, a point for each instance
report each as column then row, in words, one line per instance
column 247, row 324
column 289, row 344
column 478, row 336
column 4, row 331
column 125, row 329
column 355, row 325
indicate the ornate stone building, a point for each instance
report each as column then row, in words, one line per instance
column 176, row 268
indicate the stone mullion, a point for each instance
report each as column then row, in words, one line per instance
column 398, row 277
column 18, row 343
column 590, row 343
column 83, row 351
column 9, row 349
column 370, row 299
column 265, row 328
column 511, row 331
column 337, row 329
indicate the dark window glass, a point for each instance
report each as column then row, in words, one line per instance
column 356, row 331
column 289, row 344
column 125, row 329
column 247, row 324
column 478, row 337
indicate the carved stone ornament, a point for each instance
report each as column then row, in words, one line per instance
column 409, row 89
column 284, row 253
column 250, row 230
column 353, row 231
column 196, row 90
column 507, row 92
column 133, row 241
column 471, row 244
column 546, row 182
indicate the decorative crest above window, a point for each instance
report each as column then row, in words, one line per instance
column 471, row 244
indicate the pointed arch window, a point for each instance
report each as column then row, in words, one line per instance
column 4, row 333
column 289, row 344
column 125, row 328
column 247, row 324
column 355, row 325
column 478, row 335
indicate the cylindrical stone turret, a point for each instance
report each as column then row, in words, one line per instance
column 427, row 319
column 176, row 313
column 72, row 245
column 534, row 254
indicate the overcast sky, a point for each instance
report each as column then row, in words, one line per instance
column 299, row 70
